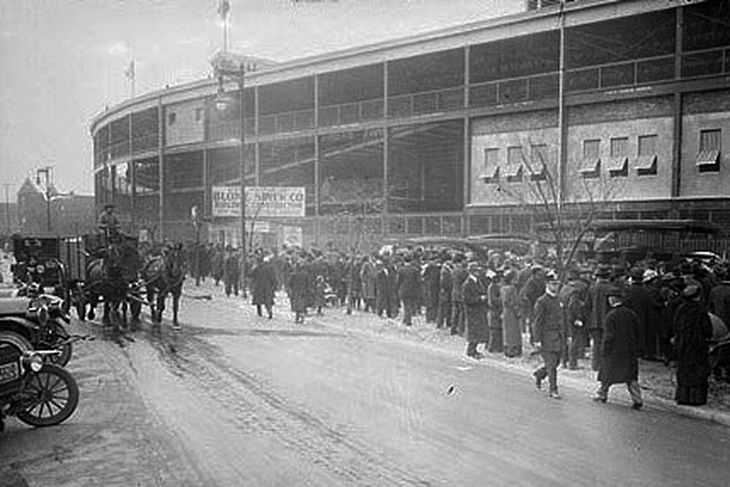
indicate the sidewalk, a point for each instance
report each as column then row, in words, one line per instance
column 656, row 380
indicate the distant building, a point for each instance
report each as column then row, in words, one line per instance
column 67, row 213
column 8, row 218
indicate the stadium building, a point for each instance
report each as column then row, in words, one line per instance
column 421, row 135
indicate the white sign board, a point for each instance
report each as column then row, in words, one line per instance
column 261, row 201
column 226, row 200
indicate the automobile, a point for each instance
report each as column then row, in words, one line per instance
column 35, row 391
column 37, row 322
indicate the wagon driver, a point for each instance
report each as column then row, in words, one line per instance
column 108, row 224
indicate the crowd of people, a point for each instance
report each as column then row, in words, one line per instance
column 613, row 314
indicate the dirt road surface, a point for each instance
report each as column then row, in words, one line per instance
column 234, row 399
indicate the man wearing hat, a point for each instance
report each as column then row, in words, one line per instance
column 108, row 223
column 599, row 308
column 474, row 292
column 619, row 349
column 693, row 329
column 549, row 336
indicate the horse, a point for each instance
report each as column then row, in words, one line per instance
column 109, row 276
column 165, row 274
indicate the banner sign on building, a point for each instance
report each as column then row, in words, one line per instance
column 261, row 201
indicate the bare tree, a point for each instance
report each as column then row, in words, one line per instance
column 533, row 183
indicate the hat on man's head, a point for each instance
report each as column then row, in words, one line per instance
column 551, row 276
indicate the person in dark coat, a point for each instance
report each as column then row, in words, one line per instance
column 574, row 299
column 719, row 299
column 693, row 329
column 320, row 290
column 431, row 274
column 474, row 292
column 532, row 290
column 368, row 273
column 298, row 284
column 382, row 289
column 495, row 314
column 599, row 308
column 619, row 349
column 231, row 272
column 445, row 283
column 263, row 285
column 409, row 282
column 458, row 275
column 549, row 335
column 511, row 314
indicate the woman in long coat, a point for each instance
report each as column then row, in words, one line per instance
column 475, row 295
column 510, row 316
column 692, row 331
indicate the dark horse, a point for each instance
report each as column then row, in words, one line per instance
column 109, row 276
column 165, row 274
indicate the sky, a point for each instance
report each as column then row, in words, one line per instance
column 63, row 61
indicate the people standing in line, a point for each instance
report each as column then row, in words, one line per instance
column 548, row 335
column 368, row 274
column 599, row 308
column 620, row 349
column 529, row 294
column 494, row 302
column 693, row 329
column 512, row 336
column 458, row 275
column 320, row 298
column 445, row 292
column 263, row 285
column 475, row 296
column 409, row 283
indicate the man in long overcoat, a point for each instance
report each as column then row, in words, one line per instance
column 512, row 334
column 619, row 349
column 382, row 289
column 549, row 335
column 431, row 274
column 263, row 285
column 458, row 275
column 298, row 296
column 368, row 274
column 495, row 314
column 692, row 332
column 445, row 283
column 409, row 283
column 599, row 308
column 231, row 272
column 474, row 292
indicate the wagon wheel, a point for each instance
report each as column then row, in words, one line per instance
column 54, row 396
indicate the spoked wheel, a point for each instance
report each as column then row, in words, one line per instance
column 54, row 397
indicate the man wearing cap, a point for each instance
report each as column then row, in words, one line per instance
column 637, row 299
column 408, row 282
column 574, row 299
column 549, row 336
column 619, row 349
column 108, row 223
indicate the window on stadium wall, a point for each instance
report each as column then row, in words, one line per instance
column 528, row 64
column 425, row 171
column 426, row 84
column 706, row 30
column 177, row 214
column 184, row 171
column 145, row 130
column 620, row 52
column 351, row 173
column 289, row 162
column 351, row 96
column 119, row 137
column 287, row 106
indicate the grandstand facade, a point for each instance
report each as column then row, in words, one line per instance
column 420, row 136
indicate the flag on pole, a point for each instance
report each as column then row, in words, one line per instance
column 223, row 8
column 129, row 73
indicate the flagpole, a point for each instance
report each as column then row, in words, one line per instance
column 134, row 76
